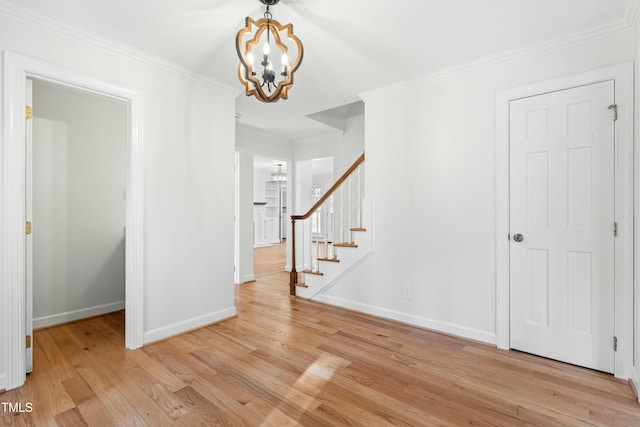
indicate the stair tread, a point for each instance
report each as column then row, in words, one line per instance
column 301, row 285
column 329, row 259
column 357, row 229
column 317, row 273
column 345, row 245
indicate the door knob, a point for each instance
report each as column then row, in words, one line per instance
column 518, row 237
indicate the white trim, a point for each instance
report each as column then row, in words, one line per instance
column 30, row 17
column 635, row 379
column 83, row 313
column 423, row 322
column 236, row 218
column 188, row 325
column 599, row 31
column 623, row 76
column 249, row 278
column 16, row 70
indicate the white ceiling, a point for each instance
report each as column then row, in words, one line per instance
column 350, row 45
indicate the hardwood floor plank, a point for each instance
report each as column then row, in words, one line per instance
column 292, row 362
column 206, row 409
column 78, row 390
column 167, row 401
column 70, row 418
column 271, row 416
column 141, row 398
column 96, row 414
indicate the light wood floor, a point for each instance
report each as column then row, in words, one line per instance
column 294, row 362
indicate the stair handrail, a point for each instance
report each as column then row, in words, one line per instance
column 293, row 275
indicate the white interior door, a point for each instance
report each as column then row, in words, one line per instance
column 562, row 225
column 29, row 236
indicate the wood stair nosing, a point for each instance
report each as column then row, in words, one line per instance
column 317, row 273
column 357, row 229
column 345, row 245
column 329, row 259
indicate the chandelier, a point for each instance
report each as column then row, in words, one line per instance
column 262, row 80
column 279, row 176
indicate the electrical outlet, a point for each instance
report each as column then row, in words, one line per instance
column 406, row 292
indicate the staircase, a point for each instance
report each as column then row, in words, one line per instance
column 333, row 237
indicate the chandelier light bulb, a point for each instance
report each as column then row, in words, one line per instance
column 266, row 49
column 250, row 58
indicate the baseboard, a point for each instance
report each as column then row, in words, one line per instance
column 3, row 382
column 422, row 322
column 249, row 278
column 635, row 382
column 188, row 325
column 70, row 316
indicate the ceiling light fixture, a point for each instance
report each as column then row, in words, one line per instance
column 267, row 85
column 279, row 176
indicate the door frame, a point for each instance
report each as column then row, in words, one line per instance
column 16, row 69
column 236, row 220
column 622, row 75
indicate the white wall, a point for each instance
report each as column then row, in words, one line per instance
column 344, row 148
column 260, row 177
column 430, row 169
column 79, row 183
column 189, row 134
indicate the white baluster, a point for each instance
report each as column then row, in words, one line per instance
column 342, row 213
column 331, row 218
column 317, row 240
column 349, row 211
column 300, row 225
column 359, row 201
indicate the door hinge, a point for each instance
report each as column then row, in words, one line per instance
column 28, row 228
column 614, row 107
column 28, row 113
column 615, row 343
column 28, row 341
column 615, row 229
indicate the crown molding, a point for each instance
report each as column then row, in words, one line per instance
column 626, row 22
column 632, row 13
column 27, row 16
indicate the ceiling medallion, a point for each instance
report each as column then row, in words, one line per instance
column 263, row 81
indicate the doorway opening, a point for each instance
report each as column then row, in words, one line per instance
column 270, row 215
column 76, row 201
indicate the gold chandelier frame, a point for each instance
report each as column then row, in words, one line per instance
column 246, row 73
